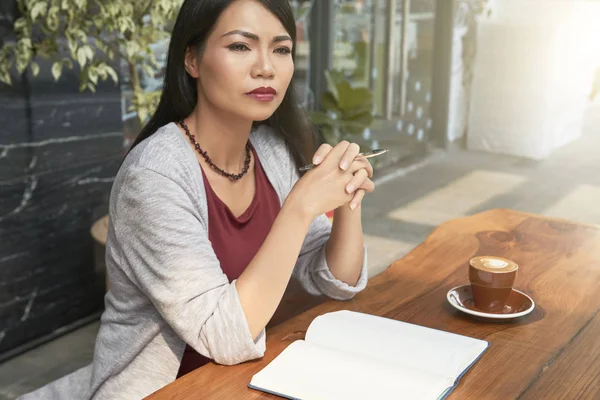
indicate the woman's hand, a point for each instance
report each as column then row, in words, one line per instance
column 337, row 180
column 361, row 182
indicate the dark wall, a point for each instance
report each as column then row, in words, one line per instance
column 59, row 152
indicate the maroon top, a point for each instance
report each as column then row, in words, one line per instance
column 236, row 240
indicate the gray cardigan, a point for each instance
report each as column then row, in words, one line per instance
column 167, row 287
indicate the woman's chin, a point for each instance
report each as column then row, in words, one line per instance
column 258, row 115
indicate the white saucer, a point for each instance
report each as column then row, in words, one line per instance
column 518, row 304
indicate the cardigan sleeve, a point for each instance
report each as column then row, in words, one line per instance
column 312, row 270
column 167, row 254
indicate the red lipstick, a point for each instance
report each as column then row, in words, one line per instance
column 263, row 94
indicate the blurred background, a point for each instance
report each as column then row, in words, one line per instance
column 482, row 103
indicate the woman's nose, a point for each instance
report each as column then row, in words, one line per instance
column 263, row 67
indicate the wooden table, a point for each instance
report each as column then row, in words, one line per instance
column 553, row 353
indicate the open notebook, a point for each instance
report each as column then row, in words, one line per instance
column 350, row 355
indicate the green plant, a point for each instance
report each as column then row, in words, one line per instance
column 347, row 110
column 95, row 35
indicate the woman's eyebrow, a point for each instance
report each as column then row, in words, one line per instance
column 252, row 36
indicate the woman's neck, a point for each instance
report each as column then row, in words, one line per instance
column 222, row 136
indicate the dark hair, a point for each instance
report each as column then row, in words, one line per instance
column 194, row 23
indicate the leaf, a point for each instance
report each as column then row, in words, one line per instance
column 122, row 23
column 142, row 113
column 52, row 21
column 21, row 65
column 354, row 101
column 344, row 92
column 57, row 67
column 72, row 43
column 148, row 70
column 365, row 118
column 132, row 26
column 24, row 44
column 67, row 62
column 89, row 52
column 320, row 118
column 165, row 5
column 38, row 9
column 5, row 62
column 358, row 98
column 328, row 102
column 131, row 48
column 85, row 54
column 335, row 77
column 20, row 24
column 93, row 75
column 81, row 35
column 5, row 77
column 81, row 57
column 113, row 74
column 35, row 68
column 332, row 84
column 357, row 125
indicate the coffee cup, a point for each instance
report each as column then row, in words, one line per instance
column 492, row 279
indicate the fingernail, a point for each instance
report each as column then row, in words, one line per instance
column 344, row 165
column 353, row 206
column 317, row 160
column 350, row 188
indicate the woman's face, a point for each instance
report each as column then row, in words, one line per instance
column 246, row 65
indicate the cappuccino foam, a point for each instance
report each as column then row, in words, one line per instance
column 493, row 264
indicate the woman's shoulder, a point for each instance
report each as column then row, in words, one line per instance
column 162, row 152
column 162, row 157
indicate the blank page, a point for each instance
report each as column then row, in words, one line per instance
column 411, row 346
column 310, row 372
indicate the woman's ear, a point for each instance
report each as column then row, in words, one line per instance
column 191, row 62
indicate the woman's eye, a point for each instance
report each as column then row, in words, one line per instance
column 283, row 50
column 238, row 47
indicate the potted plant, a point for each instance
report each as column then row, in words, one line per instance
column 347, row 110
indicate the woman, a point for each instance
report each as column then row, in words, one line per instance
column 209, row 217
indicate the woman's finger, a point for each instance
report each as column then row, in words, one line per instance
column 361, row 163
column 367, row 186
column 321, row 153
column 335, row 154
column 349, row 156
column 357, row 199
column 357, row 181
column 368, row 167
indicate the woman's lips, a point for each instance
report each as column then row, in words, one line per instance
column 262, row 93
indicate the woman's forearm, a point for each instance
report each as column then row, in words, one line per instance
column 262, row 284
column 345, row 247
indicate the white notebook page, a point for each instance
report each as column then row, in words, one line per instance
column 310, row 372
column 412, row 346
